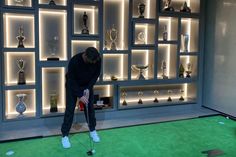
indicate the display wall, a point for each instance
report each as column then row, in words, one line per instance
column 148, row 61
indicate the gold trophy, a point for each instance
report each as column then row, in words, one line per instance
column 169, row 93
column 124, row 95
column 156, row 93
column 140, row 94
column 21, row 73
column 53, row 101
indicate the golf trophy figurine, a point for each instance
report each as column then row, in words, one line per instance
column 106, row 40
column 52, row 2
column 19, row 2
column 141, row 9
column 189, row 70
column 165, row 33
column 181, row 71
column 53, row 43
column 140, row 95
column 21, row 37
column 167, row 6
column 156, row 93
column 20, row 106
column 124, row 95
column 141, row 69
column 53, row 101
column 21, row 73
column 169, row 93
column 163, row 68
column 141, row 38
column 113, row 37
column 85, row 27
column 181, row 95
column 185, row 42
column 185, row 8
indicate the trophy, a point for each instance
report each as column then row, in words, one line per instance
column 181, row 71
column 124, row 95
column 85, row 27
column 51, row 2
column 185, row 42
column 165, row 33
column 140, row 94
column 106, row 40
column 141, row 37
column 53, row 101
column 20, row 106
column 169, row 93
column 181, row 97
column 168, row 6
column 156, row 92
column 114, row 78
column 141, row 9
column 19, row 2
column 189, row 70
column 21, row 77
column 21, row 37
column 163, row 68
column 141, row 69
column 53, row 43
column 185, row 8
column 113, row 37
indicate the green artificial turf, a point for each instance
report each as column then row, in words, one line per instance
column 186, row 138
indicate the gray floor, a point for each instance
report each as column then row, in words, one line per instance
column 151, row 117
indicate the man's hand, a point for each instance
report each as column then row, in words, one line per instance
column 85, row 97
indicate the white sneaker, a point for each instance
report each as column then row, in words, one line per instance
column 94, row 136
column 65, row 142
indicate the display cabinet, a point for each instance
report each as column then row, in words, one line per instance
column 150, row 50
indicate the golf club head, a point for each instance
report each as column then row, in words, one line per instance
column 91, row 152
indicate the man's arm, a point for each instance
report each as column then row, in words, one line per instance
column 95, row 77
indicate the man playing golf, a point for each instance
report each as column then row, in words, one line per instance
column 83, row 71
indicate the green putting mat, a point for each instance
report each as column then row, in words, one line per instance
column 186, row 138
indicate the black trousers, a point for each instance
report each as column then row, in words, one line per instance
column 71, row 100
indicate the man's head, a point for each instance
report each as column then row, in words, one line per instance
column 91, row 55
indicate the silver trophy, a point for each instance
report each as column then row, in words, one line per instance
column 169, row 93
column 165, row 34
column 21, row 73
column 156, row 93
column 20, row 106
column 163, row 68
column 141, row 38
column 141, row 69
column 140, row 95
column 167, row 6
column 19, row 2
column 20, row 37
column 189, row 70
column 53, row 47
column 185, row 42
column 113, row 37
column 106, row 40
column 181, row 95
column 124, row 95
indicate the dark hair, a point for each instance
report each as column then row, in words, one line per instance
column 92, row 54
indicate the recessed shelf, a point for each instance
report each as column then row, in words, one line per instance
column 143, row 20
column 19, row 50
column 168, row 29
column 144, row 34
column 18, row 4
column 168, row 42
column 18, row 25
column 19, row 87
column 11, row 100
column 57, row 2
column 79, row 46
column 52, row 7
column 149, row 11
column 115, row 52
column 188, row 53
column 191, row 62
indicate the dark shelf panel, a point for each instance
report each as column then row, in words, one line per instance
column 168, row 42
column 18, row 10
column 179, row 14
column 19, row 49
column 14, row 117
column 53, row 63
column 87, row 2
column 19, row 87
column 18, row 7
column 188, row 53
column 115, row 52
column 143, row 46
column 56, row 7
column 143, row 20
column 85, row 37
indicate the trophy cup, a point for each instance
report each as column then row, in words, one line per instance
column 189, row 70
column 156, row 92
column 141, row 37
column 181, row 71
column 185, row 42
column 141, row 69
column 181, row 97
column 51, row 2
column 21, row 77
column 53, row 101
column 19, row 2
column 124, row 95
column 169, row 93
column 113, row 37
column 165, row 33
column 106, row 40
column 167, row 6
column 21, row 38
column 163, row 68
column 140, row 94
column 85, row 27
column 53, row 43
column 185, row 8
column 20, row 106
column 141, row 9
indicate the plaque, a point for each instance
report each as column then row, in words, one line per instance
column 185, row 42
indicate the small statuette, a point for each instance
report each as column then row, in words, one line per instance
column 181, row 97
column 163, row 68
column 51, row 2
column 21, row 37
column 53, row 101
column 189, row 70
column 141, row 38
column 21, row 73
column 124, row 95
column 167, row 6
column 141, row 9
column 181, row 71
column 156, row 93
column 85, row 27
column 185, row 8
column 53, row 44
column 113, row 37
column 141, row 69
column 140, row 94
column 165, row 33
column 169, row 93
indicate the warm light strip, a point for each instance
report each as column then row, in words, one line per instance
column 122, row 24
column 93, row 22
column 146, row 63
column 122, row 66
column 148, row 8
column 59, row 107
column 63, row 87
column 85, row 42
column 108, row 90
column 43, row 86
column 149, row 99
column 169, row 29
column 168, row 61
column 84, row 9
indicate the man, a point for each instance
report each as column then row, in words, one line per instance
column 83, row 71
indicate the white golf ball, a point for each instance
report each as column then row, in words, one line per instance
column 10, row 152
column 93, row 151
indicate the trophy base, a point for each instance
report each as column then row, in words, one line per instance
column 21, row 115
column 141, row 77
column 169, row 9
column 181, row 75
column 164, row 77
column 85, row 31
column 113, row 78
column 141, row 16
column 185, row 10
column 188, row 76
column 156, row 100
column 113, row 46
column 53, row 109
column 181, row 98
column 169, row 99
column 52, row 2
column 20, row 46
column 124, row 103
column 21, row 83
column 140, row 101
column 53, row 59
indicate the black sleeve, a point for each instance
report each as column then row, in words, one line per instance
column 71, row 78
column 96, row 75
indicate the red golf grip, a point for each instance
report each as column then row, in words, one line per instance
column 81, row 106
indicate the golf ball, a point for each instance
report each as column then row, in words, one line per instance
column 93, row 151
column 9, row 153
